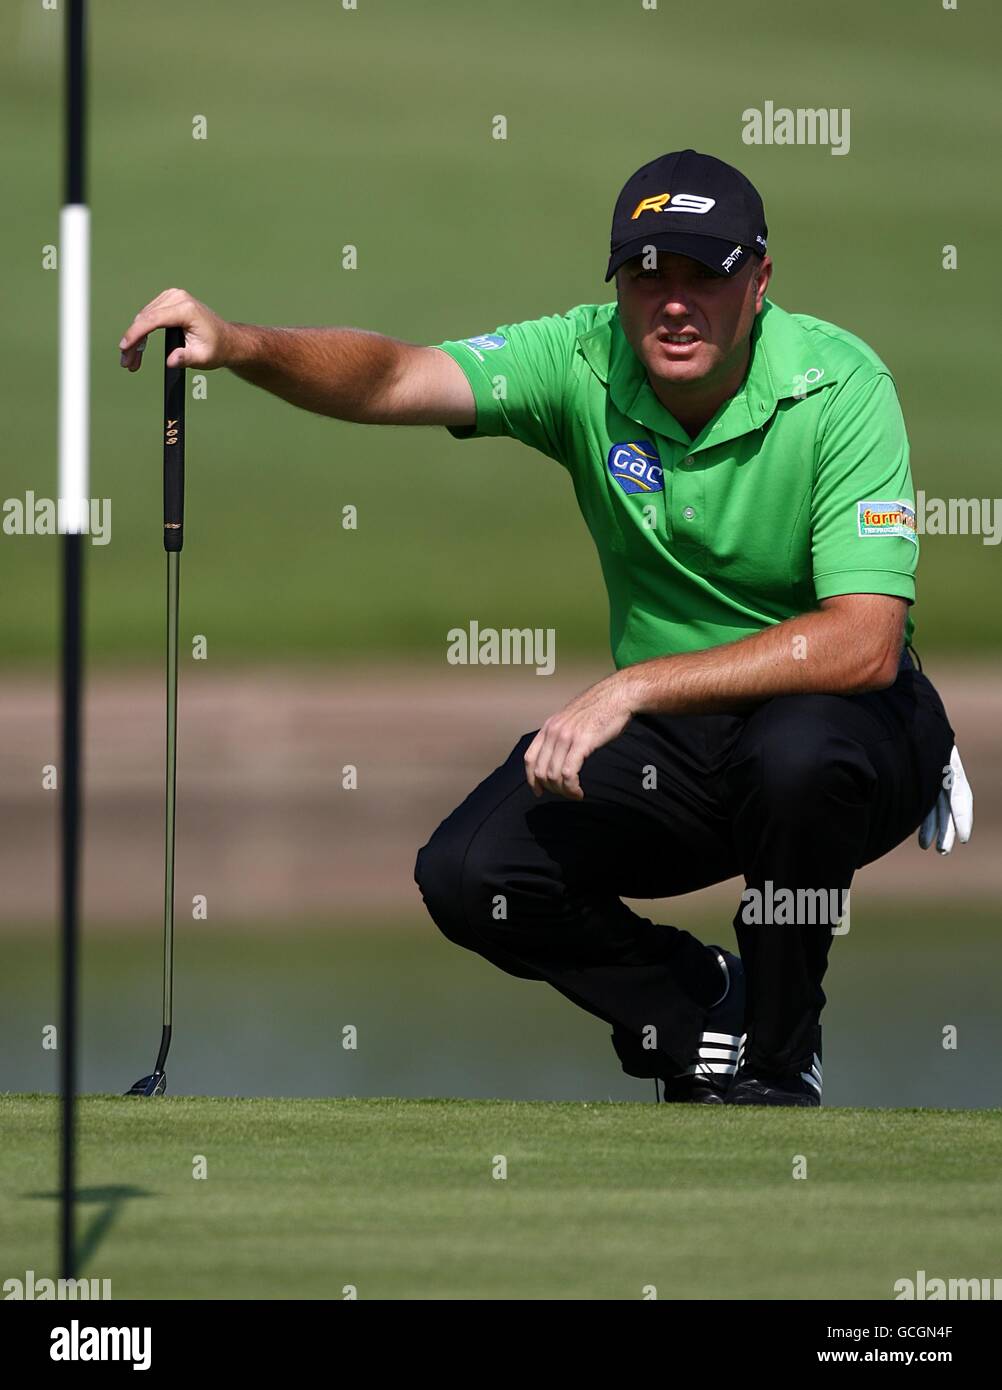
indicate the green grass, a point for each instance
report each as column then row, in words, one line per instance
column 397, row 1198
column 372, row 128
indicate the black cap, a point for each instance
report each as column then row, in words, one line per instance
column 693, row 205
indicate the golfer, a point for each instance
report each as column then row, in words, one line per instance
column 744, row 474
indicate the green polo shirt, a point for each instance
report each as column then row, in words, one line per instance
column 798, row 489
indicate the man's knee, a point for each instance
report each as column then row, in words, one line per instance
column 438, row 872
column 476, row 895
column 793, row 754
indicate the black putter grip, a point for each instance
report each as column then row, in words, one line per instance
column 173, row 444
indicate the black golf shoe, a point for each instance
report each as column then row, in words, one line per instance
column 705, row 1080
column 754, row 1087
column 707, row 1077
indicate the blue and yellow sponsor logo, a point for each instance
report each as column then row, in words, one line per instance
column 636, row 467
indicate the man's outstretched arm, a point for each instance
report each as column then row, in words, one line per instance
column 342, row 372
column 850, row 644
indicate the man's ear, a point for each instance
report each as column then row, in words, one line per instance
column 762, row 275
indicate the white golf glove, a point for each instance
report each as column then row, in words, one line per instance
column 952, row 817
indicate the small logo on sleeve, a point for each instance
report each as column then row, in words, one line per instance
column 636, row 466
column 485, row 342
column 886, row 519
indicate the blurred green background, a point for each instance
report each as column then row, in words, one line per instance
column 372, row 128
column 260, row 1010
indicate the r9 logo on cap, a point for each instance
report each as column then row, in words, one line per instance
column 680, row 202
column 636, row 466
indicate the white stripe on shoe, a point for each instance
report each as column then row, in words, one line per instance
column 813, row 1077
column 717, row 1055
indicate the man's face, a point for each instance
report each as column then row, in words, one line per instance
column 686, row 323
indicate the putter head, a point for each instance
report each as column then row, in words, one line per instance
column 153, row 1085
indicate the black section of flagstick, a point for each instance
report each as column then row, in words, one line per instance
column 155, row 1084
column 70, row 830
column 74, row 104
column 173, row 444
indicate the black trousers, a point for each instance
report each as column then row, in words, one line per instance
column 796, row 794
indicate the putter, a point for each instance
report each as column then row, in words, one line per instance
column 156, row 1083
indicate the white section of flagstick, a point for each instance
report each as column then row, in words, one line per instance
column 74, row 367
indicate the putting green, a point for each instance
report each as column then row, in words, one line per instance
column 405, row 1198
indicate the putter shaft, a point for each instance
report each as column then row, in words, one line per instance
column 156, row 1082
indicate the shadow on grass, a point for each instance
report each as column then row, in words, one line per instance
column 109, row 1201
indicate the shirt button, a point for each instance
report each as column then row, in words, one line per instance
column 689, row 513
column 689, row 461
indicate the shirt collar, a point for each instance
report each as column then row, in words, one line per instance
column 782, row 366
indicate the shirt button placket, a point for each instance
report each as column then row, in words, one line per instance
column 690, row 498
